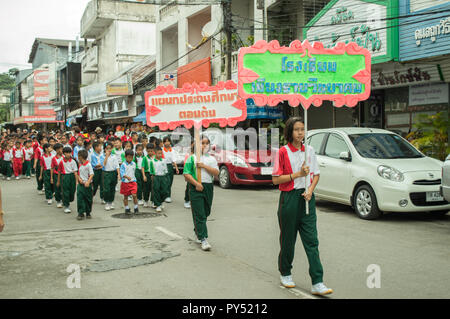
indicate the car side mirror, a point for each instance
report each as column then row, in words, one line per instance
column 345, row 156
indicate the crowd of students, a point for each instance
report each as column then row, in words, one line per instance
column 141, row 169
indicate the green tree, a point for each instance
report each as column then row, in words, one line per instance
column 431, row 137
column 6, row 81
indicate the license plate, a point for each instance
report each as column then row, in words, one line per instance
column 434, row 197
column 266, row 170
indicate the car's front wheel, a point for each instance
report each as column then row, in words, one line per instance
column 365, row 203
column 224, row 177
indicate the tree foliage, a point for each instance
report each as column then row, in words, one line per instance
column 6, row 81
column 431, row 135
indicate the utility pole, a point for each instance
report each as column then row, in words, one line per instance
column 226, row 9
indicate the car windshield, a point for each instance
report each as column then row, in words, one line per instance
column 385, row 146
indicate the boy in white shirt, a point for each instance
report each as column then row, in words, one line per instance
column 84, row 188
column 110, row 176
column 128, row 186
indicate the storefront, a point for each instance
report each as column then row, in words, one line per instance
column 425, row 54
column 369, row 24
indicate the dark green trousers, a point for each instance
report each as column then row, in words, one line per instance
column 201, row 203
column 48, row 186
column 58, row 190
column 169, row 175
column 109, row 186
column 292, row 218
column 7, row 168
column 26, row 168
column 160, row 189
column 186, row 193
column 68, row 186
column 140, row 184
column 147, row 187
column 40, row 184
column 84, row 199
column 97, row 182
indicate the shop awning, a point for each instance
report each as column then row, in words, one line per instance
column 141, row 118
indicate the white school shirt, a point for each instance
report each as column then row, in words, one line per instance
column 169, row 156
column 118, row 155
column 85, row 171
column 18, row 152
column 28, row 153
column 160, row 166
column 296, row 159
column 111, row 165
column 67, row 166
column 7, row 156
column 138, row 162
column 128, row 169
column 208, row 160
column 46, row 161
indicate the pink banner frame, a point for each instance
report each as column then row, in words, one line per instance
column 193, row 88
column 248, row 76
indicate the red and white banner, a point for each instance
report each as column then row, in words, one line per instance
column 194, row 105
column 42, row 104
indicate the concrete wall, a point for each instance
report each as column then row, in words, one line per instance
column 46, row 54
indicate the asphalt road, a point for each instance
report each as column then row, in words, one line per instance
column 156, row 258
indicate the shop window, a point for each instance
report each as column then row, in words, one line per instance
column 396, row 100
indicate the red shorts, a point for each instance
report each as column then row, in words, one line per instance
column 128, row 189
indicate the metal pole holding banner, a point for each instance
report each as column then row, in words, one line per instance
column 305, row 143
column 198, row 151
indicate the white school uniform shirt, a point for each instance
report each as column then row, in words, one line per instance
column 128, row 169
column 296, row 159
column 160, row 166
column 28, row 153
column 18, row 152
column 138, row 162
column 118, row 155
column 67, row 166
column 209, row 161
column 85, row 171
column 169, row 156
column 111, row 164
column 46, row 161
column 8, row 155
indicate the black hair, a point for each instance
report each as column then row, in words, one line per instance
column 167, row 138
column 51, row 138
column 67, row 149
column 133, row 133
column 86, row 143
column 139, row 146
column 28, row 141
column 125, row 143
column 77, row 129
column 150, row 146
column 94, row 146
column 129, row 153
column 83, row 154
column 46, row 146
column 108, row 144
column 152, row 139
column 157, row 148
column 142, row 137
column 157, row 142
column 289, row 128
column 58, row 146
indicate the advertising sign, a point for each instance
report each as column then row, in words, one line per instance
column 304, row 73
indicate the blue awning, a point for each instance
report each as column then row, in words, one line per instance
column 141, row 118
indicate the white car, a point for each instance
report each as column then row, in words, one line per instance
column 375, row 170
column 445, row 188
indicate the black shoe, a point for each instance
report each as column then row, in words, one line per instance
column 127, row 211
column 136, row 210
column 80, row 217
column 88, row 216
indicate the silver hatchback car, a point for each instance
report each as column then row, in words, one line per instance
column 445, row 187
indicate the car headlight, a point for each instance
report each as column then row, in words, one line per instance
column 390, row 173
column 238, row 161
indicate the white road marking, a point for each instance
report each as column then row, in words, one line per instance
column 168, row 232
column 298, row 293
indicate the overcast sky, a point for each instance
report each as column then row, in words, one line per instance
column 21, row 21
